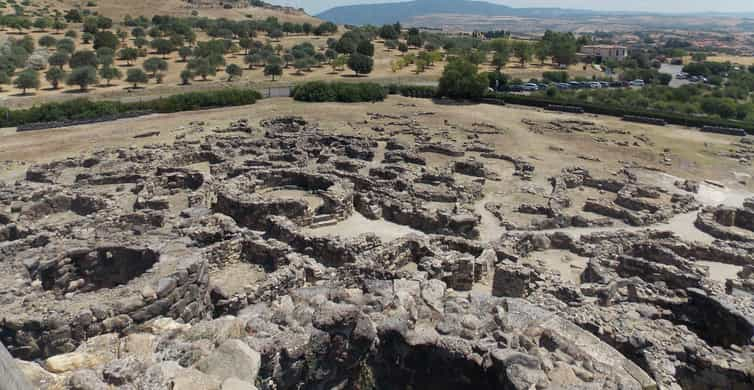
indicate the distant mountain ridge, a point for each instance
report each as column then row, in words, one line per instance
column 391, row 12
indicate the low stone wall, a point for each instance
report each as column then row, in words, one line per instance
column 724, row 130
column 644, row 119
column 727, row 223
column 183, row 295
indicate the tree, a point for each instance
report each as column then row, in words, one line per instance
column 128, row 54
column 402, row 47
column 155, row 65
column 461, row 80
column 275, row 34
column 301, row 64
column 233, row 70
column 499, row 60
column 73, row 16
column 47, row 41
column 106, row 39
column 360, row 64
column 58, row 59
column 523, row 51
column 140, row 42
column 86, row 38
column 414, row 40
column 65, row 45
column 27, row 79
column 138, row 32
column 83, row 76
column 201, row 67
column 42, row 24
column 4, row 79
column 253, row 59
column 366, row 48
column 83, row 58
column 136, row 76
column 58, row 25
column 542, row 51
column 273, row 70
column 186, row 77
column 110, row 73
column 388, row 32
column 339, row 62
column 162, row 46
column 122, row 35
column 184, row 52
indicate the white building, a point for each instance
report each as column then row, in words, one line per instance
column 604, row 52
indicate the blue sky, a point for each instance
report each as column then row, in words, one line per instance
column 315, row 6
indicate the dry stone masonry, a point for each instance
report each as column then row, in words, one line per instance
column 264, row 255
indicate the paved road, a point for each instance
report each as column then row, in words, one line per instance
column 673, row 70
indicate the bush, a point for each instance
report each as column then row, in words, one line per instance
column 461, row 80
column 614, row 110
column 320, row 91
column 416, row 91
column 85, row 109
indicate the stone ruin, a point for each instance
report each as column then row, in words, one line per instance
column 198, row 265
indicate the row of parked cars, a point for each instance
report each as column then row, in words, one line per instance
column 691, row 78
column 530, row 87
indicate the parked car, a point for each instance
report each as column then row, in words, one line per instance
column 563, row 86
column 575, row 84
column 605, row 84
column 530, row 87
column 516, row 88
column 637, row 83
column 595, row 85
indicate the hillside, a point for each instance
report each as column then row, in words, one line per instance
column 117, row 9
column 405, row 11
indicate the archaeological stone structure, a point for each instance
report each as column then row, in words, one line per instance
column 264, row 255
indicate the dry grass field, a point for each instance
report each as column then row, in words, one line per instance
column 694, row 154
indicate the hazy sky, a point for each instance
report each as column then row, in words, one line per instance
column 315, row 6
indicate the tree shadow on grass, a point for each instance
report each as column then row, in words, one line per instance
column 77, row 91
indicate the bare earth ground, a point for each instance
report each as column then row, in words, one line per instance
column 692, row 154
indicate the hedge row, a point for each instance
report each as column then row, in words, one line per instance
column 669, row 117
column 417, row 91
column 320, row 91
column 83, row 109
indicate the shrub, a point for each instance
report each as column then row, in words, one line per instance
column 461, row 80
column 85, row 109
column 416, row 91
column 320, row 91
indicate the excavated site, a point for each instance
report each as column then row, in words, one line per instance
column 279, row 253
